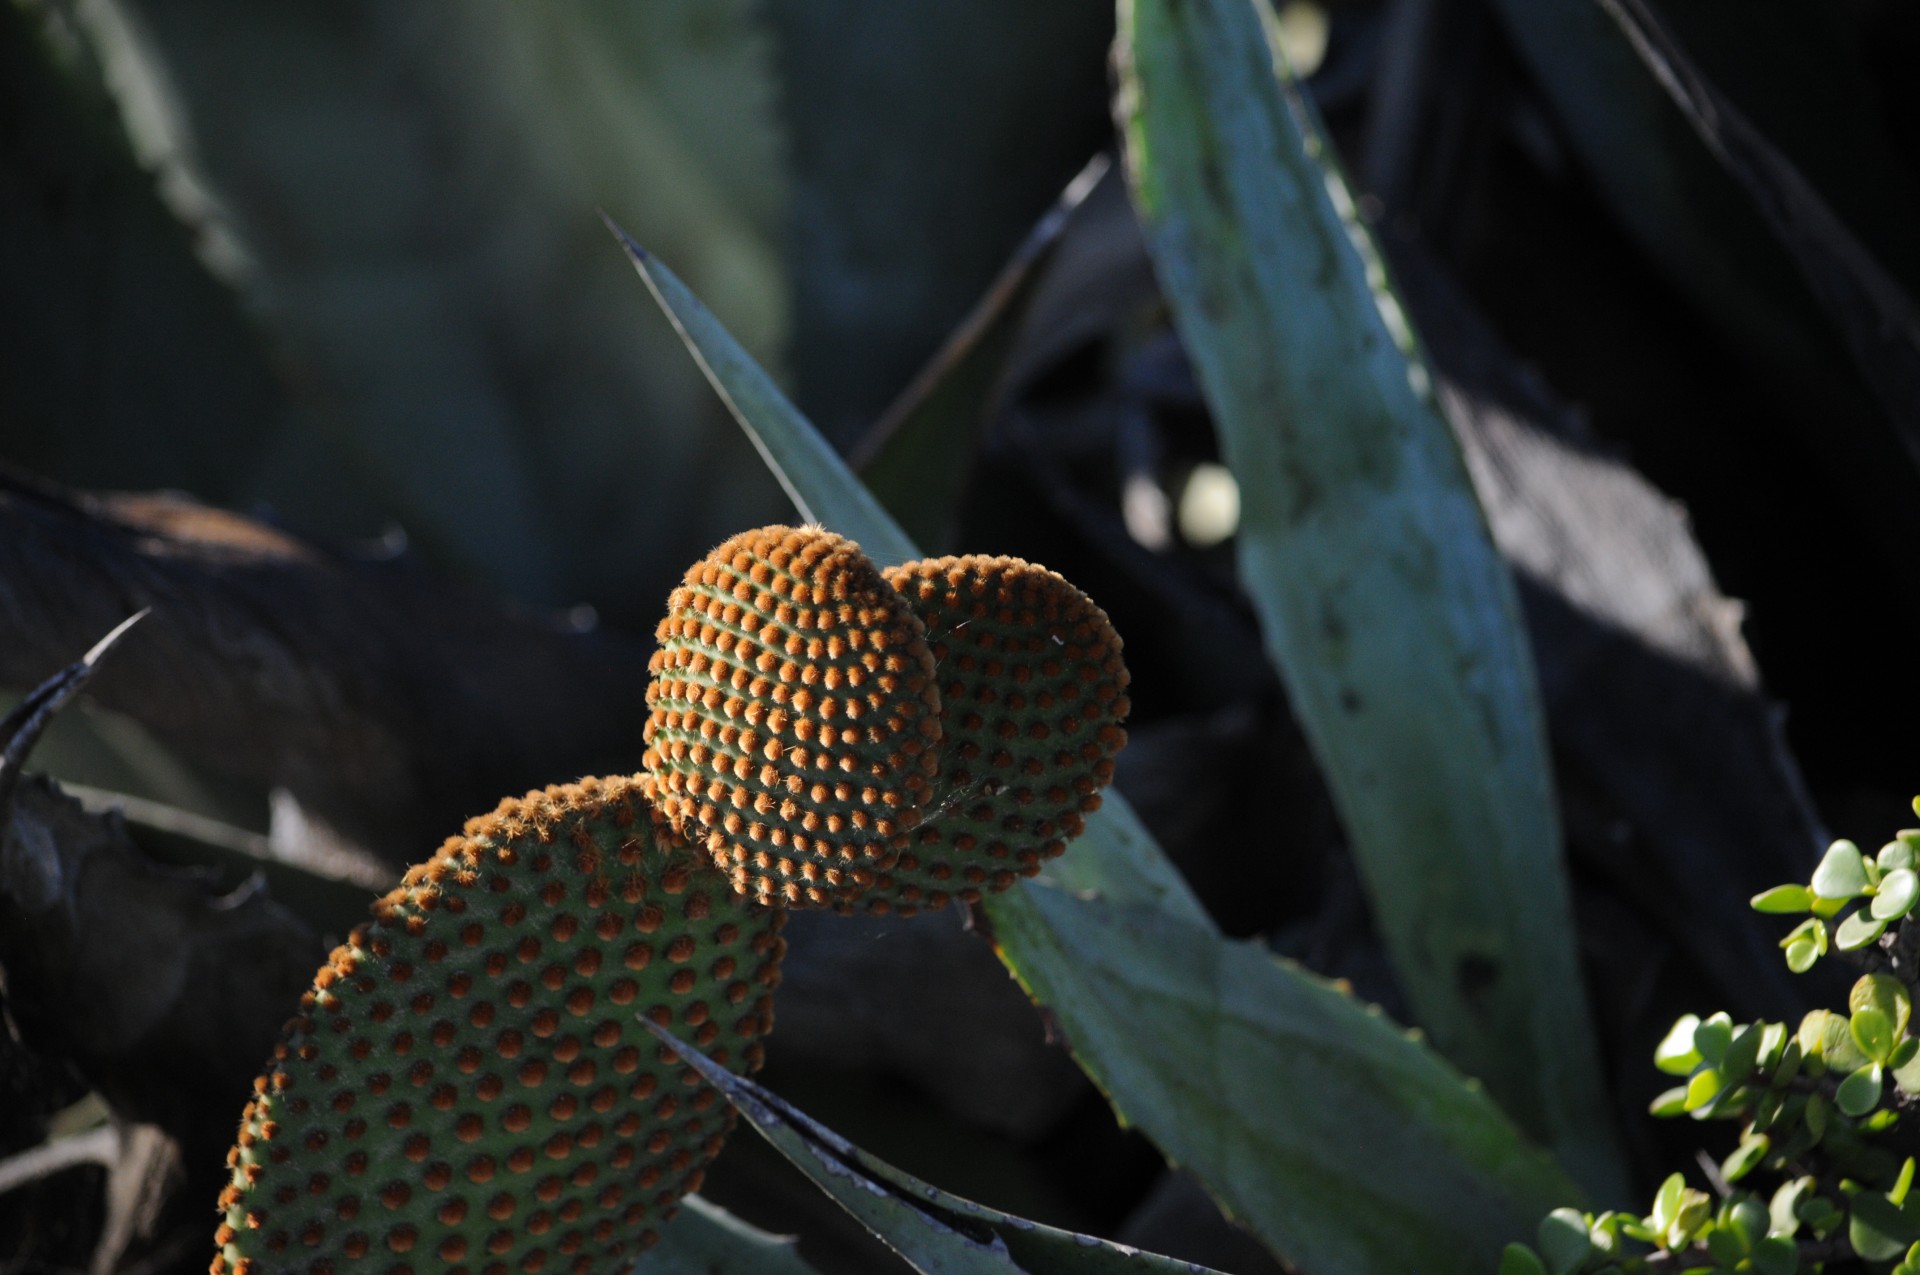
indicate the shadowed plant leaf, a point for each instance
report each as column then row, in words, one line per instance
column 1381, row 597
column 1058, row 938
column 705, row 1239
column 917, row 458
column 935, row 1232
column 1205, row 1035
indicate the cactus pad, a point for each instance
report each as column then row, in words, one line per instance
column 794, row 718
column 1032, row 690
column 467, row 1088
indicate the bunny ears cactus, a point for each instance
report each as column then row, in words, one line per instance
column 467, row 1087
column 834, row 735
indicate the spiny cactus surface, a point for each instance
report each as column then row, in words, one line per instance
column 467, row 1088
column 794, row 718
column 809, row 713
column 1032, row 693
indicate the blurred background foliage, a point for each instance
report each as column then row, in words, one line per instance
column 338, row 266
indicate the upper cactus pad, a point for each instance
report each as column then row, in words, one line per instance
column 467, row 1087
column 1032, row 690
column 794, row 716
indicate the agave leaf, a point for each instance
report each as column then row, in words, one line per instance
column 1382, row 599
column 705, row 1239
column 936, row 1232
column 918, row 456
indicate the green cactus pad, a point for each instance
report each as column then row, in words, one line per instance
column 1033, row 692
column 794, row 718
column 467, row 1088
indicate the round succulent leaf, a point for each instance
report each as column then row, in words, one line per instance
column 467, row 1084
column 1783, row 1210
column 1746, row 1157
column 1705, row 1086
column 1827, row 1036
column 1857, row 931
column 1033, row 694
column 1743, row 1053
column 1879, row 1229
column 1666, row 1203
column 1670, row 1102
column 1894, row 898
column 1711, row 1038
column 1803, row 950
column 793, row 716
column 1675, row 1054
column 1775, row 1255
column 1693, row 1215
column 1782, row 900
column 1859, row 1093
column 1873, row 1032
column 1903, row 1183
column 1842, row 873
column 1564, row 1241
column 1902, row 852
column 1518, row 1259
column 1885, row 993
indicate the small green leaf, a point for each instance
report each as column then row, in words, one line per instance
column 1694, row 1213
column 1743, row 1054
column 1857, row 931
column 1886, row 994
column 1906, row 1072
column 1903, row 1052
column 1879, row 1229
column 1842, row 873
column 1748, row 1219
column 1564, row 1241
column 1791, row 1060
column 1726, row 1248
column 1671, row 1102
column 1704, row 1088
column 1666, row 1203
column 1751, row 1151
column 1899, row 853
column 1782, row 900
column 1903, row 1183
column 1873, row 1033
column 1783, row 1210
column 1859, row 1093
column 1803, row 952
column 1817, row 1114
column 1712, row 1037
column 1896, row 894
column 1676, row 1054
column 1775, row 1255
column 1519, row 1260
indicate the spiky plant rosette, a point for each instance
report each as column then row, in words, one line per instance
column 467, row 1087
column 1032, row 693
column 793, row 717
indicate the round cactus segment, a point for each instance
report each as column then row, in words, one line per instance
column 467, row 1087
column 794, row 719
column 1033, row 691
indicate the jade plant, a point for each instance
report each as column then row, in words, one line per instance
column 1823, row 1170
column 467, row 1085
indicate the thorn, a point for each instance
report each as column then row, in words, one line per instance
column 22, row 728
column 640, row 255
